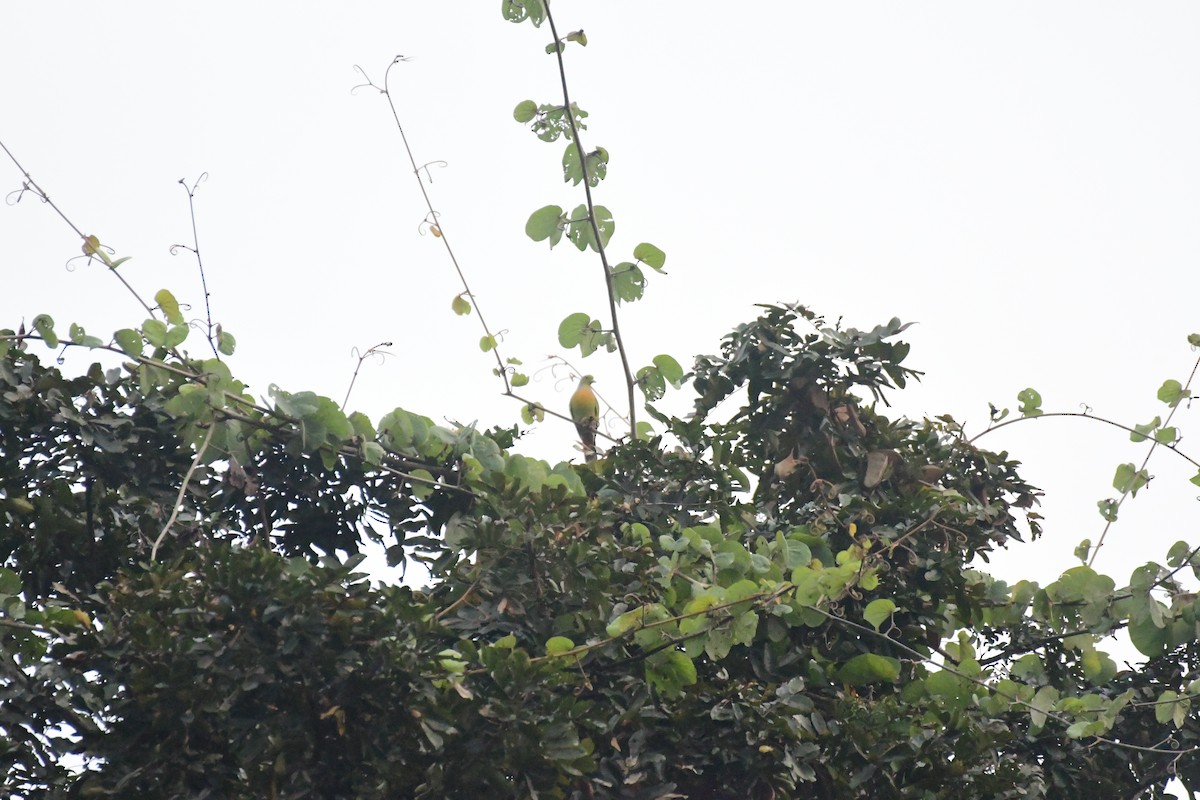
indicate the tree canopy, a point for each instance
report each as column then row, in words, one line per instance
column 780, row 593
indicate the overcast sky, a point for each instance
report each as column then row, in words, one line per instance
column 1021, row 179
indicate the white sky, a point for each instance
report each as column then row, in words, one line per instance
column 1022, row 179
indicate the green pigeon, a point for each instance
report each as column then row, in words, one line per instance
column 585, row 412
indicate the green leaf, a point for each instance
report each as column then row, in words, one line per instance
column 1031, row 402
column 519, row 379
column 1171, row 392
column 521, row 10
column 1042, row 703
column 579, row 228
column 190, row 402
column 1083, row 549
column 636, row 618
column 1166, row 435
column 80, row 336
column 176, row 336
column 525, row 111
column 744, row 589
column 650, row 255
column 867, row 668
column 532, row 412
column 170, row 307
column 10, row 583
column 1129, row 479
column 670, row 369
column 44, row 325
column 1179, row 553
column 628, row 282
column 130, row 341
column 1142, row 431
column 572, row 329
column 155, row 332
column 487, row 343
column 1108, row 509
column 572, row 165
column 669, row 671
column 362, row 425
column 945, row 684
column 545, row 224
column 1164, row 709
column 1098, row 668
column 877, row 611
column 420, row 486
column 1150, row 639
column 558, row 644
column 597, row 166
column 297, row 406
column 1194, row 339
column 651, row 382
column 460, row 305
column 226, row 344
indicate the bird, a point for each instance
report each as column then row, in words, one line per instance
column 585, row 412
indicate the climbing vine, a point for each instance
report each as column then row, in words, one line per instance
column 780, row 594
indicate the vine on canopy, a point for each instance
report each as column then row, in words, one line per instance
column 789, row 600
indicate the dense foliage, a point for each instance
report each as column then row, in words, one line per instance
column 780, row 595
column 756, row 612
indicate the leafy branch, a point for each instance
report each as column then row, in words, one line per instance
column 591, row 216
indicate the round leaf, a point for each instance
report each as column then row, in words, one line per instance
column 525, row 111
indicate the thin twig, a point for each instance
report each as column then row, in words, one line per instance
column 32, row 185
column 187, row 478
column 373, row 350
column 191, row 193
column 554, row 413
column 915, row 529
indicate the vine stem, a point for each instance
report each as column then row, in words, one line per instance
column 33, row 186
column 187, row 478
column 501, row 370
column 1084, row 415
column 191, row 193
column 559, row 414
column 1153, row 446
column 587, row 188
column 374, row 350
